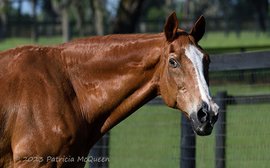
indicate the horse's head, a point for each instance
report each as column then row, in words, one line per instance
column 184, row 80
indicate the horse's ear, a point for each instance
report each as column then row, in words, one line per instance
column 171, row 26
column 198, row 29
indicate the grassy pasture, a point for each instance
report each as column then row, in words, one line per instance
column 210, row 40
column 247, row 139
column 15, row 42
column 246, row 38
column 151, row 138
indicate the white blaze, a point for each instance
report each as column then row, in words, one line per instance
column 196, row 57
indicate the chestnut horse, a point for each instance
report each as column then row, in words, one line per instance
column 56, row 102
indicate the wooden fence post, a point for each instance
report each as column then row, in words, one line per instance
column 221, row 100
column 188, row 144
column 99, row 154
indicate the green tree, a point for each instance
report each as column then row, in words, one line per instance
column 79, row 12
column 128, row 15
column 34, row 31
column 4, row 5
column 61, row 7
column 261, row 10
column 98, row 11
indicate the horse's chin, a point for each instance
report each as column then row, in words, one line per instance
column 201, row 129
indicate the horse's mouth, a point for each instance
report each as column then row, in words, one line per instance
column 202, row 129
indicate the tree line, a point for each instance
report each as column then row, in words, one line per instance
column 123, row 16
column 67, row 11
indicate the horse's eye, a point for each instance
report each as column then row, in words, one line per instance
column 173, row 63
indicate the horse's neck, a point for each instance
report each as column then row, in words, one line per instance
column 114, row 79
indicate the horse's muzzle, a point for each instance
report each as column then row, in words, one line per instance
column 203, row 121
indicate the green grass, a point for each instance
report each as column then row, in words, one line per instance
column 210, row 40
column 242, row 89
column 218, row 39
column 247, row 143
column 248, row 136
column 149, row 138
column 15, row 42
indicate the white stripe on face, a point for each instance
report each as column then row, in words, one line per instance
column 196, row 57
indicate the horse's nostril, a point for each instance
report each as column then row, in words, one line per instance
column 205, row 107
column 202, row 115
column 214, row 119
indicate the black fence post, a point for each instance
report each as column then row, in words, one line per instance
column 188, row 144
column 221, row 100
column 99, row 154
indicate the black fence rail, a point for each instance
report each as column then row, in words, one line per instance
column 240, row 61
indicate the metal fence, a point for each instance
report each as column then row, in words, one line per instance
column 241, row 85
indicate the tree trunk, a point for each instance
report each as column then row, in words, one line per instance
column 261, row 7
column 128, row 15
column 65, row 24
column 34, row 31
column 79, row 14
column 19, row 11
column 63, row 7
column 3, row 18
column 19, row 19
column 98, row 14
column 168, row 6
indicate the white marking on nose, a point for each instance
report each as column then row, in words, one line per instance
column 196, row 57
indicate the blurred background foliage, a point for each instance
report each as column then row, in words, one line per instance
column 62, row 20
